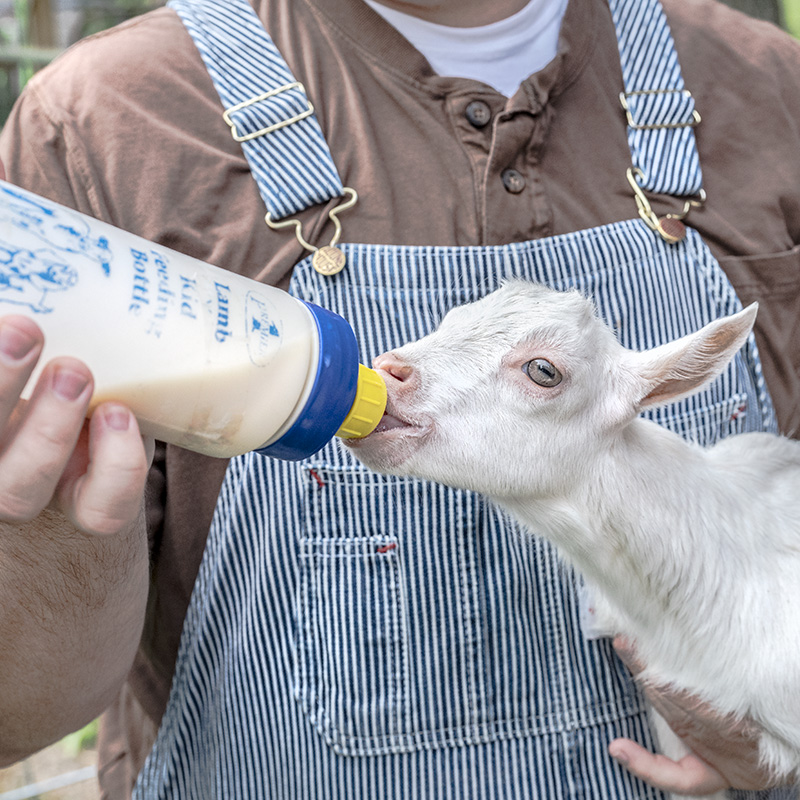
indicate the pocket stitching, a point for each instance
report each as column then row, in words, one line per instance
column 309, row 675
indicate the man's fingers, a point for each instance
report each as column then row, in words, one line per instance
column 107, row 497
column 94, row 472
column 38, row 443
column 21, row 344
column 690, row 775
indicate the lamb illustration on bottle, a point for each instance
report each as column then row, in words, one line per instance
column 27, row 277
column 58, row 229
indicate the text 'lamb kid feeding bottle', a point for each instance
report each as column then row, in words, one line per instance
column 206, row 359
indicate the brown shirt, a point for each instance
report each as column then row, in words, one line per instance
column 127, row 127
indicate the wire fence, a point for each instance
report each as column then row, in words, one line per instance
column 50, row 785
column 64, row 771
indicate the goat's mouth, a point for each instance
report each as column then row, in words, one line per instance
column 389, row 422
column 390, row 432
column 393, row 442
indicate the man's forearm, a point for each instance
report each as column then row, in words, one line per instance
column 71, row 613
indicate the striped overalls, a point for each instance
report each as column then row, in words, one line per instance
column 357, row 636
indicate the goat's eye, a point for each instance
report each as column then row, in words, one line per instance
column 542, row 372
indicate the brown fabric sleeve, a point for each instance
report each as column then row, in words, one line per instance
column 126, row 736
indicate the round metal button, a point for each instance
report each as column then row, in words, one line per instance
column 513, row 180
column 478, row 114
column 328, row 260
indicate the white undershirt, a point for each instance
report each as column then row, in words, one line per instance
column 501, row 54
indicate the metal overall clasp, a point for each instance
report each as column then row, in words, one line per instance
column 246, row 137
column 670, row 227
column 328, row 259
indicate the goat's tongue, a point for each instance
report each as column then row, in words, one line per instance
column 388, row 422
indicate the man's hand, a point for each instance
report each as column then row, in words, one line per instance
column 724, row 751
column 94, row 473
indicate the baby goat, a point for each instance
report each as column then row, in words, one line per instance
column 527, row 397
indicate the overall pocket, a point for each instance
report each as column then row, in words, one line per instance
column 705, row 418
column 352, row 651
column 427, row 618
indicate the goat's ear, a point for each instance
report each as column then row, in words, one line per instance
column 683, row 367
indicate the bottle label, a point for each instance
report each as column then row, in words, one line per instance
column 264, row 329
column 49, row 249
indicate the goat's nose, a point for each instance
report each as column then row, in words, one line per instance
column 394, row 367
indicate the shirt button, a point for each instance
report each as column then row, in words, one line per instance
column 478, row 113
column 513, row 180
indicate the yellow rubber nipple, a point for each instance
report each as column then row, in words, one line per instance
column 367, row 408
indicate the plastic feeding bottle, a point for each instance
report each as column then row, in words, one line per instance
column 206, row 359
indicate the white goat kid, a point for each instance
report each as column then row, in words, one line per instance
column 527, row 397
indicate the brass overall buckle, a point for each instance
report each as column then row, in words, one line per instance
column 328, row 259
column 669, row 227
column 238, row 137
column 623, row 99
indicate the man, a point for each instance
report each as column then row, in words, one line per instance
column 451, row 663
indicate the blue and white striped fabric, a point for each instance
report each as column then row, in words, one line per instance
column 244, row 64
column 661, row 136
column 358, row 636
column 352, row 635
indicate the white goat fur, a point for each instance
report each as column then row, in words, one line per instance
column 696, row 552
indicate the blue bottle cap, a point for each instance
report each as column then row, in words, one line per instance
column 332, row 395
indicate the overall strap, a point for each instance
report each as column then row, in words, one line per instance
column 660, row 110
column 267, row 109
